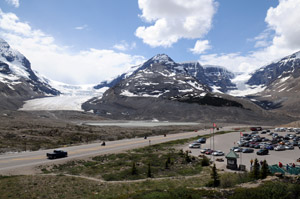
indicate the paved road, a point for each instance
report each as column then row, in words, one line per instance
column 25, row 162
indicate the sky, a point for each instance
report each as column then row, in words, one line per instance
column 86, row 42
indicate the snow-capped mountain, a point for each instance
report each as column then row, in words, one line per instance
column 17, row 75
column 287, row 66
column 159, row 77
column 163, row 89
column 17, row 80
column 217, row 78
column 280, row 83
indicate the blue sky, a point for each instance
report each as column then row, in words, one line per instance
column 81, row 42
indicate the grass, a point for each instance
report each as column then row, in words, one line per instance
column 60, row 187
column 31, row 187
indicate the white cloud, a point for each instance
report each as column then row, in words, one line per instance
column 124, row 46
column 175, row 19
column 81, row 27
column 56, row 62
column 200, row 47
column 15, row 3
column 284, row 21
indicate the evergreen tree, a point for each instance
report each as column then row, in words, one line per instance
column 187, row 157
column 264, row 172
column 169, row 159
column 133, row 169
column 149, row 173
column 255, row 169
column 215, row 177
column 167, row 165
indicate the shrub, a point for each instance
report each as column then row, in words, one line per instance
column 205, row 161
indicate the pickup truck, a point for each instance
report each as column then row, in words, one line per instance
column 57, row 154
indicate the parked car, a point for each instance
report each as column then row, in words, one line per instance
column 195, row 145
column 295, row 143
column 238, row 149
column 201, row 140
column 204, row 150
column 209, row 152
column 262, row 152
column 270, row 147
column 247, row 150
column 279, row 148
column 289, row 147
column 218, row 153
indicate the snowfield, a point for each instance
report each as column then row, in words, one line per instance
column 71, row 99
column 55, row 103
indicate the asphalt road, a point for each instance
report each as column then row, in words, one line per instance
column 26, row 162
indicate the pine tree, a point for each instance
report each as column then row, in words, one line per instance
column 133, row 170
column 255, row 169
column 187, row 157
column 149, row 173
column 264, row 172
column 215, row 177
column 167, row 165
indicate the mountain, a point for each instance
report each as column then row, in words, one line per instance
column 18, row 81
column 165, row 90
column 280, row 83
column 216, row 77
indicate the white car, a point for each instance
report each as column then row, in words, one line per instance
column 279, row 148
column 195, row 145
column 204, row 150
column 218, row 153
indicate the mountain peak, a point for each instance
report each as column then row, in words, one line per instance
column 4, row 46
column 162, row 59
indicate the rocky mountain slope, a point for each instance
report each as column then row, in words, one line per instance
column 280, row 81
column 18, row 81
column 217, row 78
column 165, row 90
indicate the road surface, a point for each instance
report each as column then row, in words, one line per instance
column 26, row 162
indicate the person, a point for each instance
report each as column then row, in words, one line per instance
column 293, row 165
column 251, row 162
column 103, row 143
column 165, row 135
column 287, row 167
column 280, row 164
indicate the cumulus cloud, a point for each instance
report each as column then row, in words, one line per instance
column 200, row 47
column 56, row 61
column 124, row 46
column 280, row 39
column 15, row 3
column 175, row 19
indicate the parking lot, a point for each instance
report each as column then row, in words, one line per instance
column 226, row 141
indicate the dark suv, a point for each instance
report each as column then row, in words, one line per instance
column 262, row 152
